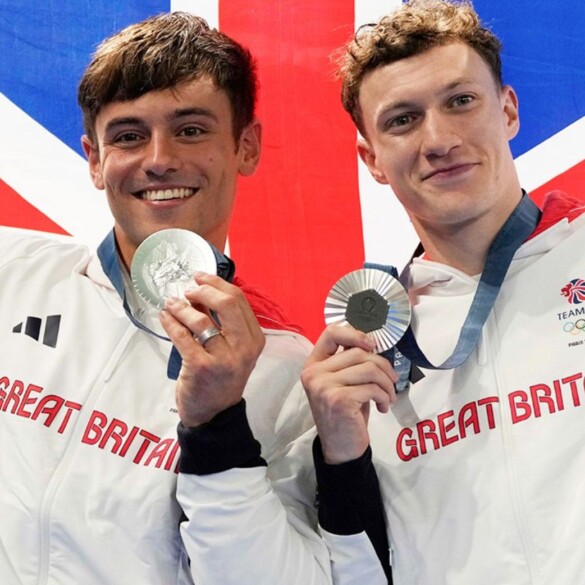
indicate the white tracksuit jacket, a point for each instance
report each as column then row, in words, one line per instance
column 482, row 468
column 89, row 452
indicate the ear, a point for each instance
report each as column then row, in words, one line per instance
column 250, row 146
column 368, row 155
column 93, row 158
column 509, row 101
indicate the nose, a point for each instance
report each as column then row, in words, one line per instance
column 439, row 134
column 160, row 155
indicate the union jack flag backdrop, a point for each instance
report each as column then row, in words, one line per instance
column 311, row 213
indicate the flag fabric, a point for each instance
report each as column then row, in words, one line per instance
column 311, row 213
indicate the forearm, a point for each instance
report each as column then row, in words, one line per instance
column 221, row 444
column 350, row 503
column 241, row 527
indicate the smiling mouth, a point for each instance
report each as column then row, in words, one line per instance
column 166, row 194
column 449, row 171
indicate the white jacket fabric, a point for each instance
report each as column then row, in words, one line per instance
column 88, row 444
column 482, row 468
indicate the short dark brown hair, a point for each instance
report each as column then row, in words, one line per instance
column 415, row 27
column 161, row 52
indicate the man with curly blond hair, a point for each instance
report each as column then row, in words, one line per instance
column 477, row 433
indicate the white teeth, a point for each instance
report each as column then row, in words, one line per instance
column 164, row 194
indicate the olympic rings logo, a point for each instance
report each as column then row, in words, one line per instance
column 574, row 328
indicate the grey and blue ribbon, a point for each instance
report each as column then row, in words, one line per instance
column 407, row 356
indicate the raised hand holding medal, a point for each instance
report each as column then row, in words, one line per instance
column 208, row 320
column 341, row 385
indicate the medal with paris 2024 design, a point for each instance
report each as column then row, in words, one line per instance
column 372, row 301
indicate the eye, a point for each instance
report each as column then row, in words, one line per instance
column 399, row 123
column 127, row 137
column 462, row 100
column 402, row 120
column 191, row 131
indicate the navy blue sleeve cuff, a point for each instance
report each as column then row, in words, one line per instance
column 350, row 501
column 225, row 442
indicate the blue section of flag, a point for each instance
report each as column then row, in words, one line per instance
column 543, row 59
column 44, row 48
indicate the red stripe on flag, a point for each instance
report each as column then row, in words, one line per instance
column 15, row 211
column 297, row 223
column 571, row 182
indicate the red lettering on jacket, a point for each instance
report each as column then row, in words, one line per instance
column 426, row 430
column 128, row 442
column 116, row 431
column 489, row 410
column 51, row 406
column 148, row 439
column 94, row 428
column 115, row 435
column 519, row 406
column 25, row 400
column 69, row 408
column 572, row 382
column 4, row 383
column 13, row 396
column 405, row 440
column 468, row 418
column 541, row 394
column 545, row 398
column 448, row 428
column 160, row 451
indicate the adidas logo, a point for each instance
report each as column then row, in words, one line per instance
column 33, row 326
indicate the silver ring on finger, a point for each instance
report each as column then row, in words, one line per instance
column 206, row 335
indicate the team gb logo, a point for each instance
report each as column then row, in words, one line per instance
column 574, row 291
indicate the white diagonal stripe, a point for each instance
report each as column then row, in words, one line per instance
column 207, row 9
column 372, row 10
column 552, row 157
column 51, row 176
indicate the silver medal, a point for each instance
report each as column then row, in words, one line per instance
column 164, row 264
column 372, row 301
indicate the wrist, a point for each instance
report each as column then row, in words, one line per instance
column 339, row 452
column 193, row 415
column 224, row 442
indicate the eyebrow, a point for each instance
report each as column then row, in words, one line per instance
column 194, row 111
column 176, row 114
column 121, row 121
column 405, row 104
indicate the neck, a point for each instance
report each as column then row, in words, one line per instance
column 454, row 249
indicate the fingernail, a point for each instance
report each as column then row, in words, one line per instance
column 371, row 343
column 172, row 302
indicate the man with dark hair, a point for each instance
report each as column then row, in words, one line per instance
column 162, row 52
column 92, row 489
column 479, row 455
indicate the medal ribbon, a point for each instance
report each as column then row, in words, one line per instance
column 517, row 228
column 108, row 256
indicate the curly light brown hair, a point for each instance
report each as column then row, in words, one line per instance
column 415, row 27
column 161, row 52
